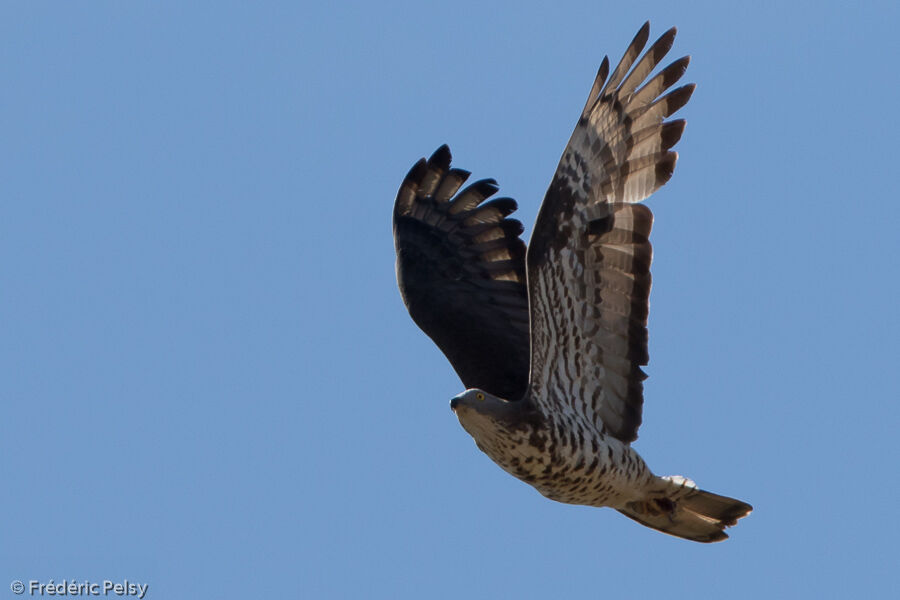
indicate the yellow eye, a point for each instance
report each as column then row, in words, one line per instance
column 479, row 396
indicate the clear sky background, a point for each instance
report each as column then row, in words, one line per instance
column 209, row 382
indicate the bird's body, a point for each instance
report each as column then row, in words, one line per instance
column 550, row 340
column 562, row 456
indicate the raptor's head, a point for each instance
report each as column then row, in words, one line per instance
column 503, row 430
column 477, row 400
column 481, row 413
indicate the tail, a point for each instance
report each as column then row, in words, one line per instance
column 687, row 512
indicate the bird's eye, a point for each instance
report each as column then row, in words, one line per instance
column 479, row 396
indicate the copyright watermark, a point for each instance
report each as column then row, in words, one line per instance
column 74, row 587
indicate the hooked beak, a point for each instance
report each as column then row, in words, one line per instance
column 454, row 403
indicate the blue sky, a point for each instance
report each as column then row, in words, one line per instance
column 209, row 383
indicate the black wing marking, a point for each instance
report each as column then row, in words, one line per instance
column 461, row 272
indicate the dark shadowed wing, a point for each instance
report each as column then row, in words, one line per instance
column 461, row 271
column 589, row 257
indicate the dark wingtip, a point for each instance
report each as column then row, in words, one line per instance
column 487, row 187
column 665, row 167
column 407, row 192
column 441, row 157
column 462, row 174
column 604, row 69
column 599, row 82
column 662, row 46
column 682, row 64
column 417, row 171
column 671, row 132
column 505, row 206
column 679, row 97
column 643, row 34
column 512, row 228
column 738, row 511
column 483, row 188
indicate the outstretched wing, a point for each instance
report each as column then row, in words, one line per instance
column 461, row 271
column 589, row 256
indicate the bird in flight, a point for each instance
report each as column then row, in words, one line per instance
column 549, row 340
